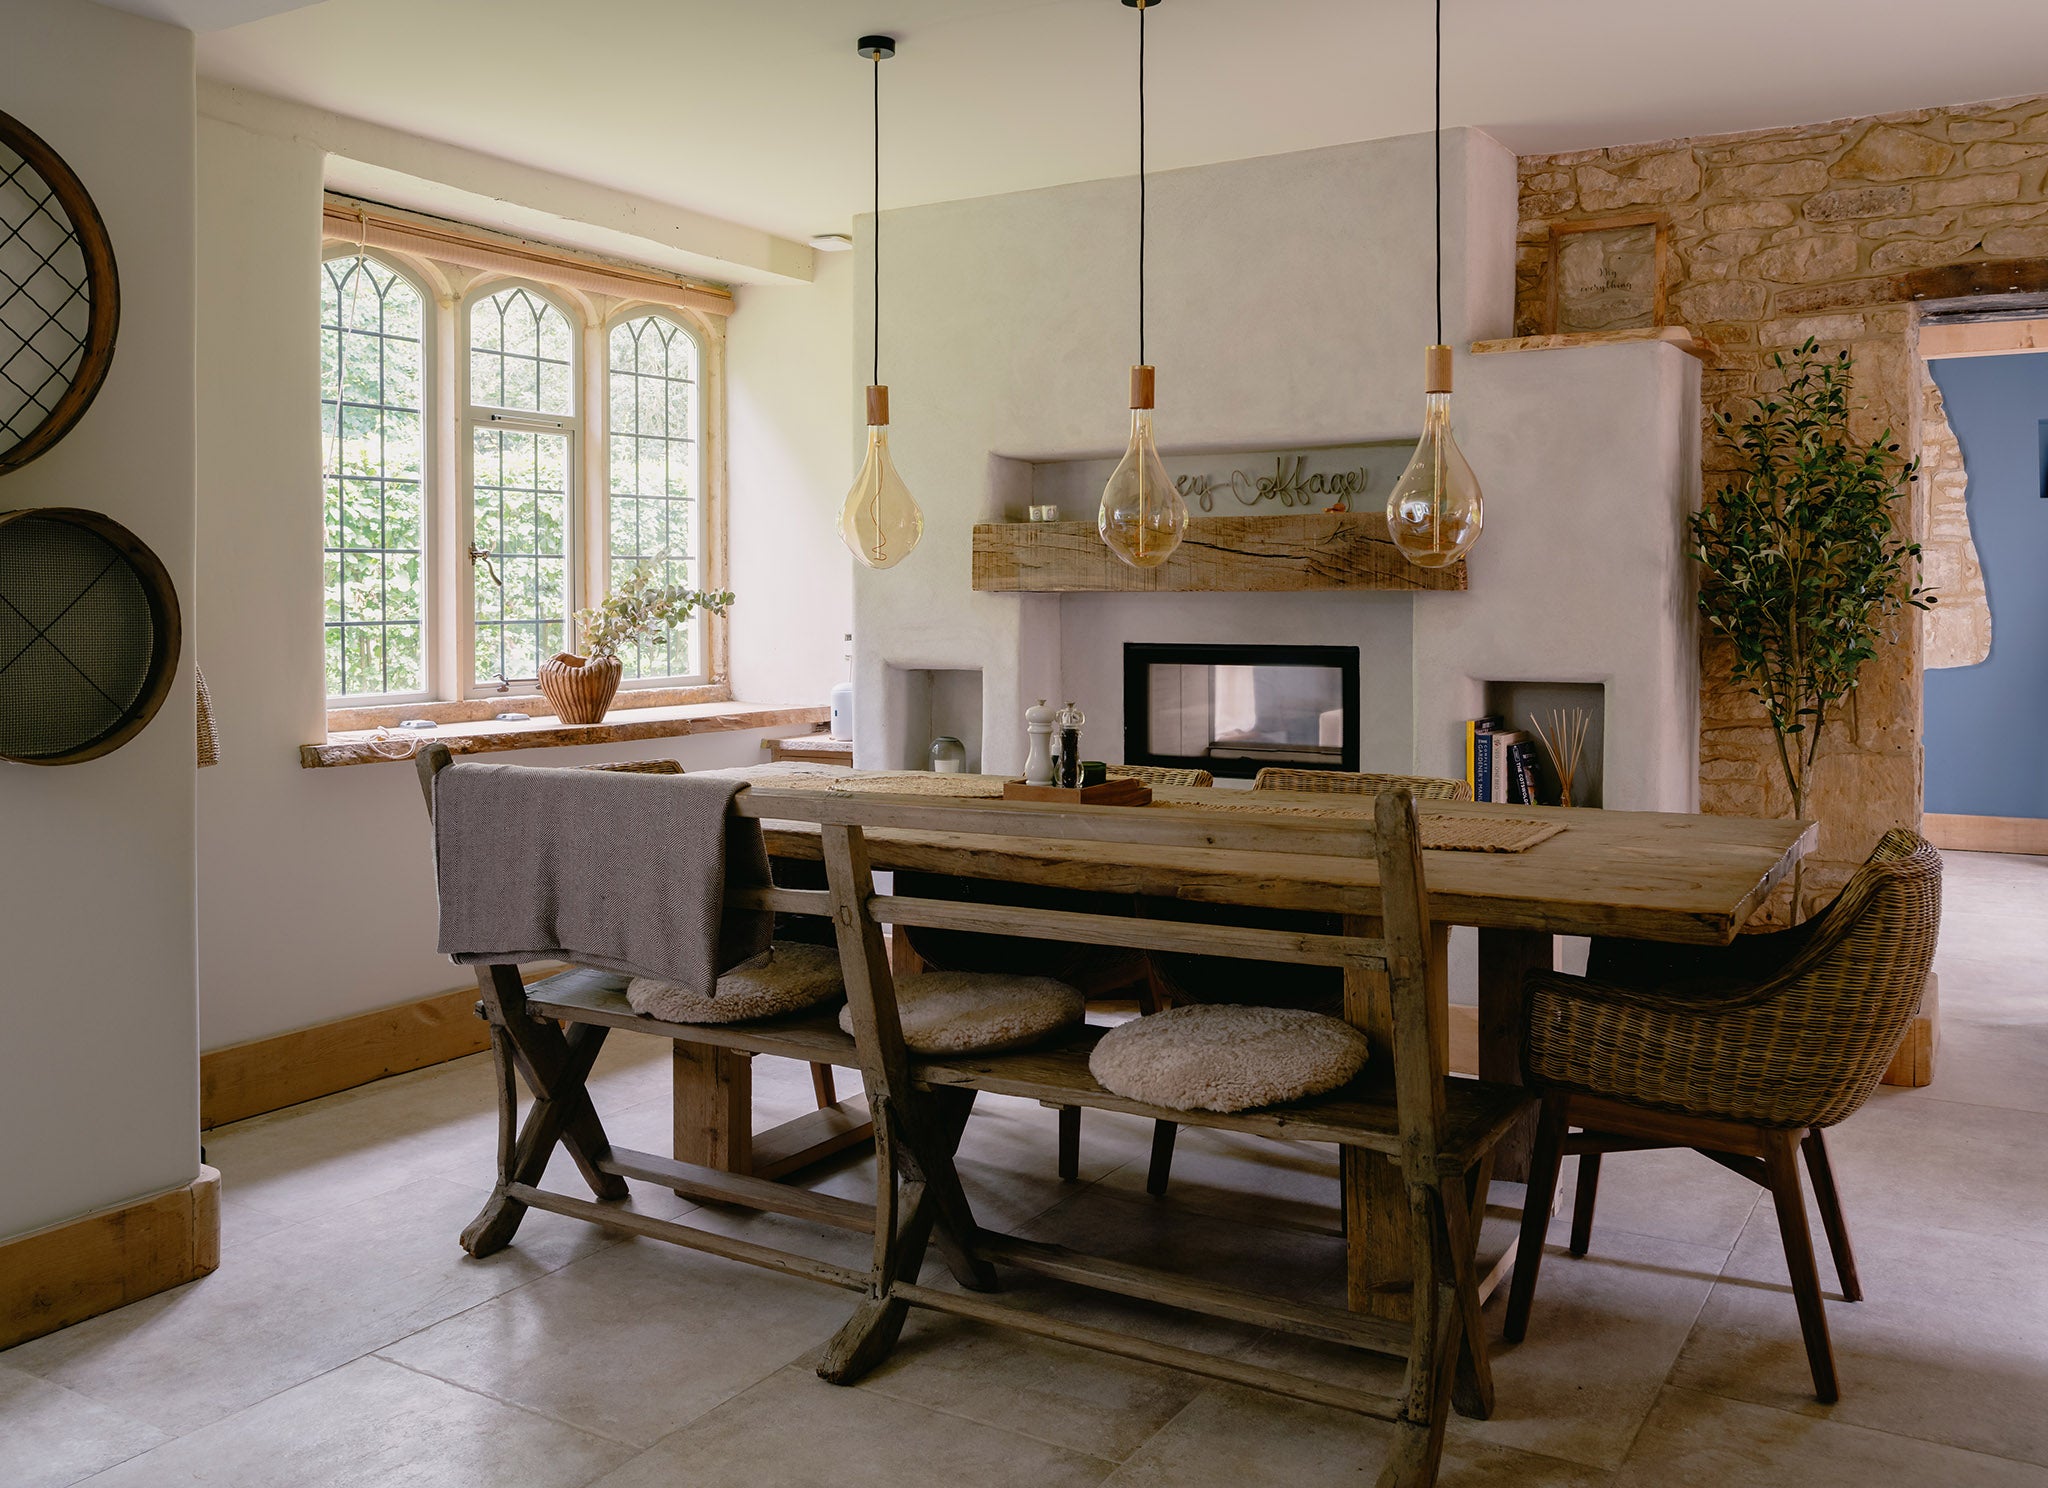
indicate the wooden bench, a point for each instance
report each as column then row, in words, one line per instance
column 1438, row 1132
column 1441, row 1133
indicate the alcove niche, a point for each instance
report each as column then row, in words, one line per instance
column 1521, row 705
column 932, row 701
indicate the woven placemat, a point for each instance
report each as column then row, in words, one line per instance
column 922, row 783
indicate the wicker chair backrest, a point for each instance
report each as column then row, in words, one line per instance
column 1352, row 783
column 1163, row 775
column 1805, row 1047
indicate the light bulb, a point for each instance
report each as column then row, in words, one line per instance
column 880, row 522
column 1143, row 518
column 1435, row 510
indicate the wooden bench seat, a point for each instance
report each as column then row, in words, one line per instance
column 1361, row 1114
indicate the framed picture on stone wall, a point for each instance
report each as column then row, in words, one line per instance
column 1609, row 273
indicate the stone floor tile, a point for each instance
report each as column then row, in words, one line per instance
column 1073, row 1397
column 794, row 1429
column 1943, row 1165
column 51, row 1437
column 1694, row 1440
column 633, row 1343
column 1603, row 1335
column 1671, row 1193
column 296, row 1304
column 1947, row 1345
column 368, row 1423
column 1232, row 1438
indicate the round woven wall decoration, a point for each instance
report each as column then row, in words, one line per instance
column 89, row 635
column 60, row 301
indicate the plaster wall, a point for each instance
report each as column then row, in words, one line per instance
column 1290, row 299
column 316, row 897
column 99, row 1078
column 1590, row 462
column 794, row 437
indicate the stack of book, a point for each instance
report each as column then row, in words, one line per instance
column 1500, row 763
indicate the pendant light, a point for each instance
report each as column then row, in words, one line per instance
column 1143, row 517
column 1435, row 512
column 880, row 522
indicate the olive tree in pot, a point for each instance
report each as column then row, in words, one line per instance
column 1801, row 555
column 638, row 609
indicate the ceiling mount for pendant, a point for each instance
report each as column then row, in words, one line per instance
column 875, row 48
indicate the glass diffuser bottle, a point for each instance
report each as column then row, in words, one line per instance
column 1435, row 510
column 880, row 522
column 1143, row 518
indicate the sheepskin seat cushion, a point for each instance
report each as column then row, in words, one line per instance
column 968, row 1012
column 785, row 978
column 1227, row 1057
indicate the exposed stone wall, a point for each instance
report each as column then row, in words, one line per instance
column 1956, row 632
column 1783, row 234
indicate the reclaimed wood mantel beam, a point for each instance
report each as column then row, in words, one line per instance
column 1287, row 552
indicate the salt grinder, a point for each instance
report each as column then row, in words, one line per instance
column 1038, row 723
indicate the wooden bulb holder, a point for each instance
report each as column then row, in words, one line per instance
column 1436, row 370
column 878, row 406
column 1141, row 387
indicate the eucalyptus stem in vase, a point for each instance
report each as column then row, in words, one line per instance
column 637, row 610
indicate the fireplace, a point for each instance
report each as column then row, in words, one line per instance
column 1233, row 710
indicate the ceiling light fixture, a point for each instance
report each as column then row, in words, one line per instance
column 1434, row 512
column 1143, row 517
column 880, row 523
column 831, row 242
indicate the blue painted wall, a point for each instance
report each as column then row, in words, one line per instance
column 1987, row 725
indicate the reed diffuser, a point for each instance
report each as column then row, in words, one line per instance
column 1565, row 742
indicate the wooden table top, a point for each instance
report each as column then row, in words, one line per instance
column 1647, row 875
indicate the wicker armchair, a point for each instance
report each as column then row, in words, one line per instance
column 1352, row 783
column 1162, row 775
column 1745, row 1052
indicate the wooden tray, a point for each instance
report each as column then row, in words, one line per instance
column 1118, row 790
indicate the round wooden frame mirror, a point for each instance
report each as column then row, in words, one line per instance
column 89, row 635
column 60, row 299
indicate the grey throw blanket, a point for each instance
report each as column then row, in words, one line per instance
column 619, row 871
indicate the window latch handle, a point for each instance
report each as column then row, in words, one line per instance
column 483, row 556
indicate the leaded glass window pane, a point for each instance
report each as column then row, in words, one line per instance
column 521, row 354
column 654, row 476
column 371, row 370
column 519, row 483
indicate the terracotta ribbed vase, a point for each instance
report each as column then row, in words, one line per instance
column 580, row 688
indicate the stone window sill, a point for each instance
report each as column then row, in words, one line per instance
column 621, row 725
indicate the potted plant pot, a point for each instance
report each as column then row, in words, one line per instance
column 581, row 688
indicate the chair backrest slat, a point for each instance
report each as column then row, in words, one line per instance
column 1138, row 934
column 1410, row 1019
column 1152, row 826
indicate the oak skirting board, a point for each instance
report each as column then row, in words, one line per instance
column 52, row 1278
column 269, row 1074
column 1998, row 834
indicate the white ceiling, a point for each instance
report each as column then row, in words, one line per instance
column 757, row 110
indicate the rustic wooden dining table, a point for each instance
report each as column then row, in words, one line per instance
column 1643, row 875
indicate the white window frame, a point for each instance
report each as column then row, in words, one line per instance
column 470, row 417
column 447, row 291
column 706, row 663
column 430, row 504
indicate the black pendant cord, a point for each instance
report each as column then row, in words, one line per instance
column 875, row 377
column 1437, row 144
column 1141, row 185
